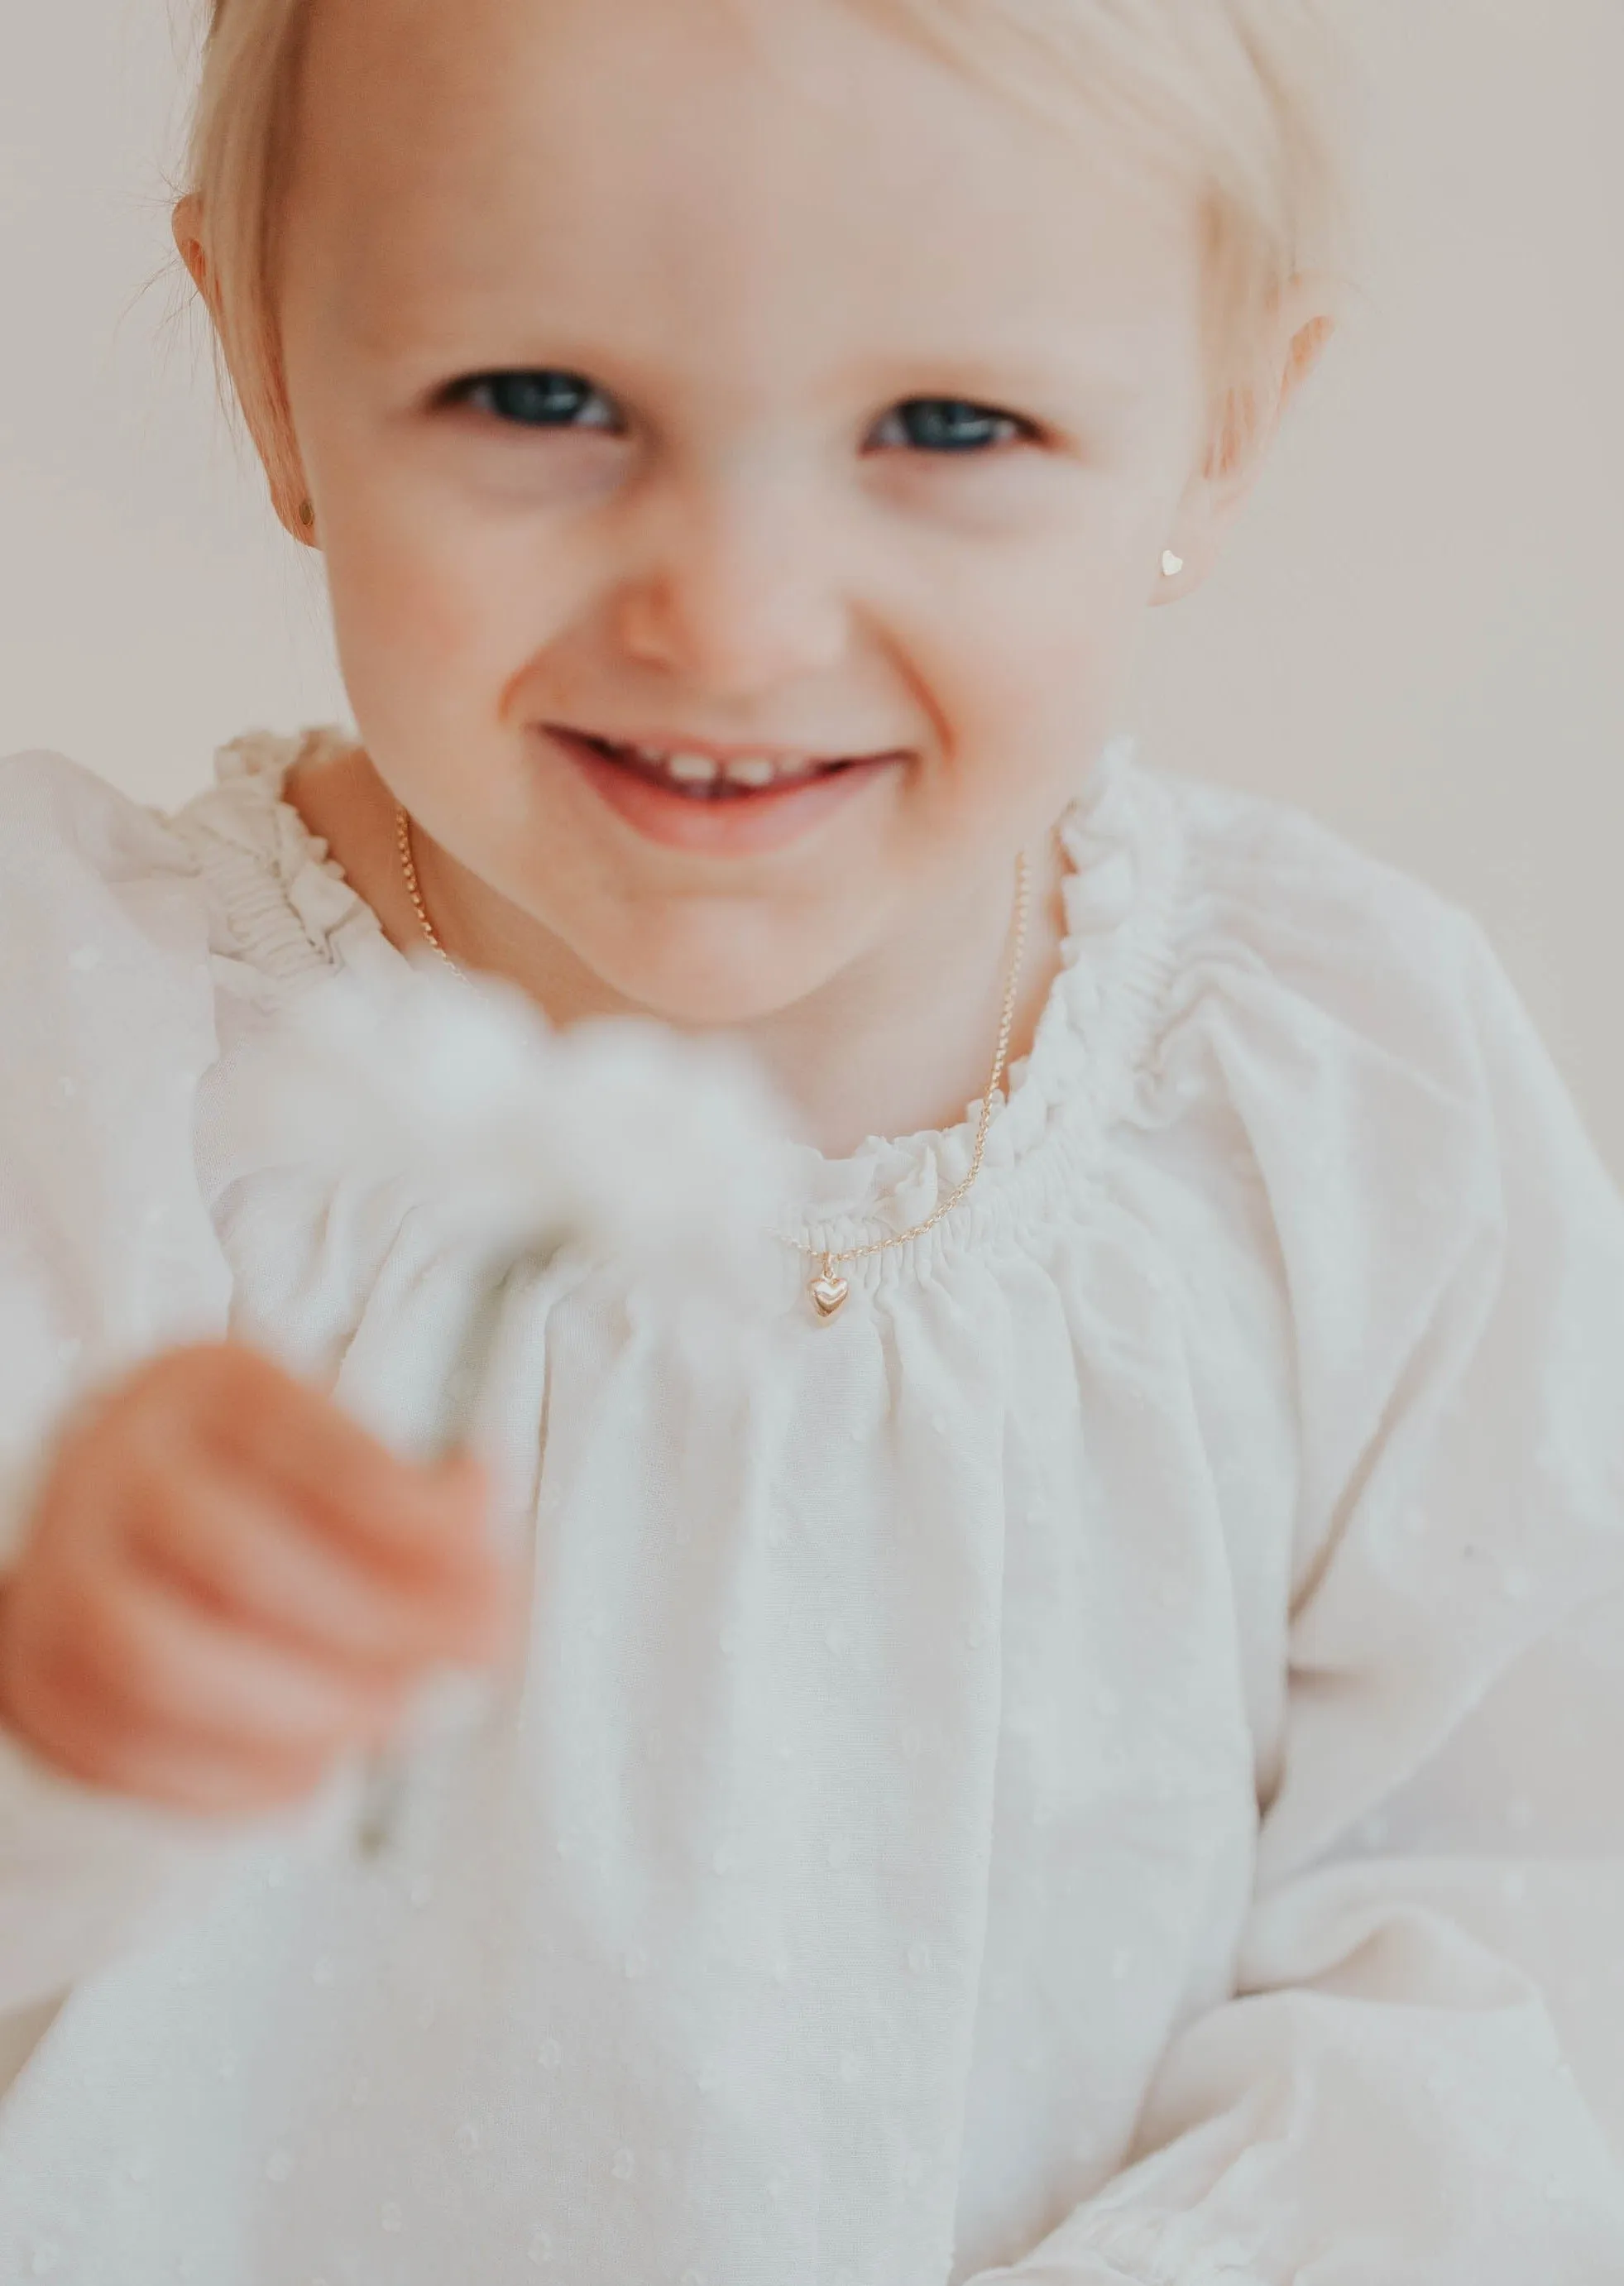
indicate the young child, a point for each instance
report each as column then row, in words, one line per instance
column 1091, row 1760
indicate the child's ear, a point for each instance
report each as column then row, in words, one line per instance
column 272, row 432
column 1251, row 417
column 186, row 222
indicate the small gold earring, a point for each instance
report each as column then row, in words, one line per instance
column 1171, row 564
column 307, row 515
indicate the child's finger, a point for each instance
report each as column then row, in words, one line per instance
column 413, row 1519
column 237, row 1551
column 174, row 1772
column 245, row 1412
column 133, row 1657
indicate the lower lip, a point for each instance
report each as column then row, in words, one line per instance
column 742, row 825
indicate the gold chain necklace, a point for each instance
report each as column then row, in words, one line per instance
column 826, row 1290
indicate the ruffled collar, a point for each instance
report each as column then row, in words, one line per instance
column 289, row 913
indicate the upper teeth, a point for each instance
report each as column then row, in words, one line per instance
column 754, row 770
column 757, row 769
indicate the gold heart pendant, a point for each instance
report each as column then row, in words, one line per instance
column 828, row 1293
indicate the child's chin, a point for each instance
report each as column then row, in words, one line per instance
column 710, row 970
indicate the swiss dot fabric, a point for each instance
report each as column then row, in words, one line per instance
column 1100, row 1766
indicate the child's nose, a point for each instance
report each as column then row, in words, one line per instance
column 739, row 593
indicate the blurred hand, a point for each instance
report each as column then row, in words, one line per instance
column 226, row 1584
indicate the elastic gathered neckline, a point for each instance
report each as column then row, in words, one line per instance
column 291, row 914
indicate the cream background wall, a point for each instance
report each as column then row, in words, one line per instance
column 1419, row 633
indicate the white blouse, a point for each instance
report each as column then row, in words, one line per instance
column 1100, row 1766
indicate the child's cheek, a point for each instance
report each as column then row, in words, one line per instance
column 455, row 609
column 1030, row 671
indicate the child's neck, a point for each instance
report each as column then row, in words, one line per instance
column 904, row 1040
column 899, row 1042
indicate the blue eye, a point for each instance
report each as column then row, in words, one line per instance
column 539, row 400
column 949, row 424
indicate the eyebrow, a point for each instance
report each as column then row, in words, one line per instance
column 1099, row 378
column 1104, row 383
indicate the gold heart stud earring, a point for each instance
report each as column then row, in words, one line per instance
column 1171, row 564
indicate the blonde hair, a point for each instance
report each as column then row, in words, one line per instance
column 1234, row 95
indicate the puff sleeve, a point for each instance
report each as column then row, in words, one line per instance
column 1419, row 2079
column 106, row 1254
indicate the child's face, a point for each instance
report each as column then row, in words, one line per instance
column 744, row 265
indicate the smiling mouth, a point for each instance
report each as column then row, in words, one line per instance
column 698, row 776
